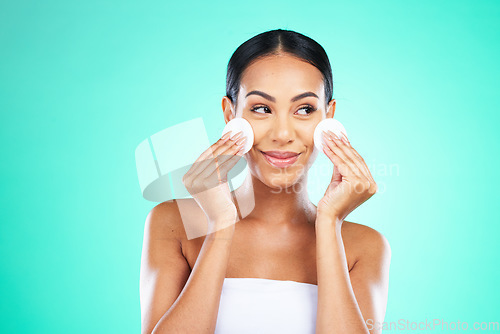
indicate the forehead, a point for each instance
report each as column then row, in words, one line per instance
column 282, row 75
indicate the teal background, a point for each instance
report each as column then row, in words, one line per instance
column 83, row 83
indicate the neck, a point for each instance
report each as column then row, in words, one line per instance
column 288, row 207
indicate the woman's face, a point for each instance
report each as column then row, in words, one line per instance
column 282, row 97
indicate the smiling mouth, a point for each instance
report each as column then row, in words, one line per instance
column 280, row 162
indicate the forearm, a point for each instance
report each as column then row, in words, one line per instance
column 338, row 310
column 196, row 308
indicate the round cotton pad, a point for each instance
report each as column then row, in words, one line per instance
column 325, row 125
column 240, row 124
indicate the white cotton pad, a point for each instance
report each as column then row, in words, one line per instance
column 325, row 125
column 240, row 124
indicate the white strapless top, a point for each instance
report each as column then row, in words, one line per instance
column 265, row 306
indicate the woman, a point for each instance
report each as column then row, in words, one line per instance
column 281, row 82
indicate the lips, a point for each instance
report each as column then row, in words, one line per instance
column 281, row 154
column 280, row 159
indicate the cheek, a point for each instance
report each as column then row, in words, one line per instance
column 307, row 134
column 259, row 133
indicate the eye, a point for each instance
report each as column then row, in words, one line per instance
column 309, row 109
column 259, row 107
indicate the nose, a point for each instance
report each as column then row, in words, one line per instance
column 282, row 131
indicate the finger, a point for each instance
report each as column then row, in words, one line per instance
column 209, row 151
column 336, row 176
column 224, row 167
column 218, row 148
column 343, row 168
column 222, row 158
column 360, row 162
column 347, row 150
column 341, row 165
column 332, row 144
column 207, row 154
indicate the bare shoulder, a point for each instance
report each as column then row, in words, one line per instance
column 167, row 217
column 164, row 221
column 364, row 240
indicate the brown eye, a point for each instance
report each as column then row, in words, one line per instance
column 259, row 107
column 309, row 109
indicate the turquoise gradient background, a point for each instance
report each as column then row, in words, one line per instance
column 83, row 83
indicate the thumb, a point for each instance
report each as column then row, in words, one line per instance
column 336, row 177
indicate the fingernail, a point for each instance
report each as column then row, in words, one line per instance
column 333, row 135
column 241, row 141
column 328, row 139
column 237, row 135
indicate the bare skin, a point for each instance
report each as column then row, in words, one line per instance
column 278, row 238
column 259, row 253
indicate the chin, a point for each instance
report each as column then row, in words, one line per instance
column 283, row 179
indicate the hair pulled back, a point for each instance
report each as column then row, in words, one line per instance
column 276, row 42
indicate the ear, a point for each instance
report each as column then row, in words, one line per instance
column 331, row 108
column 227, row 109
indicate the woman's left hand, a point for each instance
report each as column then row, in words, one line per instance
column 351, row 184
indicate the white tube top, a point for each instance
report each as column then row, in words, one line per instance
column 265, row 306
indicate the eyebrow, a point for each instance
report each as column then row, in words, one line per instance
column 273, row 99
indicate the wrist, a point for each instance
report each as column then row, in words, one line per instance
column 329, row 217
column 329, row 221
column 221, row 233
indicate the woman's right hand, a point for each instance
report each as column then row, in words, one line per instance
column 206, row 181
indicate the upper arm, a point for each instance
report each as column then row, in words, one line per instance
column 370, row 277
column 164, row 269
